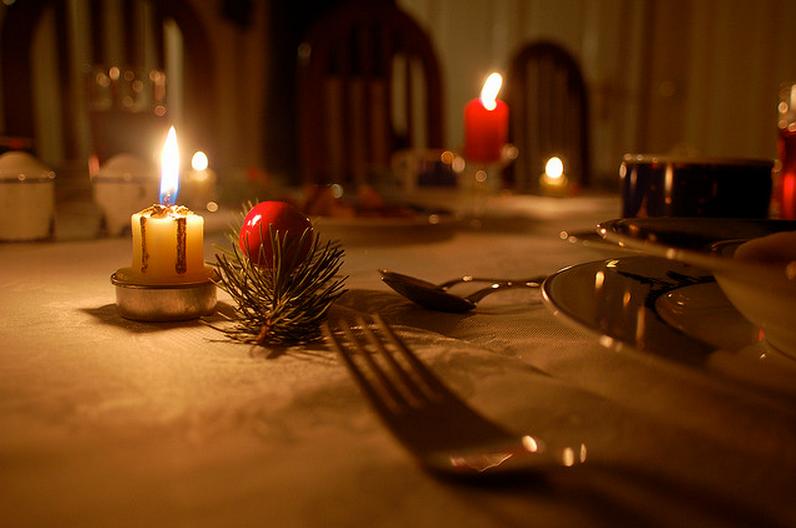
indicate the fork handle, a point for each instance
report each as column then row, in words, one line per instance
column 528, row 455
column 504, row 285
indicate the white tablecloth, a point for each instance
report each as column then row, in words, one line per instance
column 109, row 422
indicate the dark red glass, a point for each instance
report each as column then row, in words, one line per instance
column 786, row 149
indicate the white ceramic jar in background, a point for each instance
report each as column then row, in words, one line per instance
column 124, row 184
column 27, row 197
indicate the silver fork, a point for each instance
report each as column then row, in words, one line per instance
column 436, row 426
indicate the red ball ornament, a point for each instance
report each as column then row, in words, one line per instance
column 283, row 218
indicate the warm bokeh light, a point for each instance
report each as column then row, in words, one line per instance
column 490, row 90
column 169, row 169
column 93, row 165
column 530, row 444
column 641, row 326
column 199, row 161
column 568, row 457
column 790, row 270
column 599, row 280
column 458, row 164
column 626, row 297
column 509, row 152
column 554, row 168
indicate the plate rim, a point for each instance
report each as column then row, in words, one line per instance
column 732, row 365
column 711, row 262
column 603, row 338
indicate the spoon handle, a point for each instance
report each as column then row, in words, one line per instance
column 533, row 282
column 469, row 278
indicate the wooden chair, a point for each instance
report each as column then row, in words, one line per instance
column 369, row 84
column 18, row 27
column 549, row 114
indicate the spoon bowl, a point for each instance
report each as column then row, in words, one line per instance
column 425, row 293
column 436, row 297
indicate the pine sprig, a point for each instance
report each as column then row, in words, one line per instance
column 285, row 303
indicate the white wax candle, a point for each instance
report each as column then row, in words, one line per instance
column 168, row 245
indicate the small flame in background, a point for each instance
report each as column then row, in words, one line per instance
column 199, row 161
column 170, row 169
column 490, row 90
column 554, row 168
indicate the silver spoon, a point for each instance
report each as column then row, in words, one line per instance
column 436, row 296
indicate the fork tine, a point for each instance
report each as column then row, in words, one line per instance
column 434, row 385
column 371, row 393
column 415, row 391
column 388, row 403
column 385, row 382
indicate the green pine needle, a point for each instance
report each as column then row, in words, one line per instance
column 286, row 303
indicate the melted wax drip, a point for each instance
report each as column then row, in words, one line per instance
column 181, row 265
column 162, row 211
column 144, row 251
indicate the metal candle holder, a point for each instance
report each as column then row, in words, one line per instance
column 164, row 302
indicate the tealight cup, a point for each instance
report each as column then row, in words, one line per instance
column 27, row 197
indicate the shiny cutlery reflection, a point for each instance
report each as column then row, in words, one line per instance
column 437, row 297
column 436, row 426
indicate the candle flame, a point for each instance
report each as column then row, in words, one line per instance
column 554, row 168
column 169, row 169
column 199, row 161
column 490, row 90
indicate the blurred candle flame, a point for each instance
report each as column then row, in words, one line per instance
column 554, row 168
column 169, row 169
column 199, row 161
column 490, row 90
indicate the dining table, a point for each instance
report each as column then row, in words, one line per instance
column 106, row 421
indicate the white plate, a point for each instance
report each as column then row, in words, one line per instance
column 668, row 309
column 764, row 291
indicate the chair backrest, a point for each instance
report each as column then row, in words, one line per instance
column 549, row 114
column 369, row 84
column 16, row 49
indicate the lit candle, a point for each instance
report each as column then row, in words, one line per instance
column 168, row 238
column 553, row 180
column 199, row 187
column 486, row 123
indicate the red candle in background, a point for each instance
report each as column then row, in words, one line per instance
column 486, row 123
column 787, row 176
